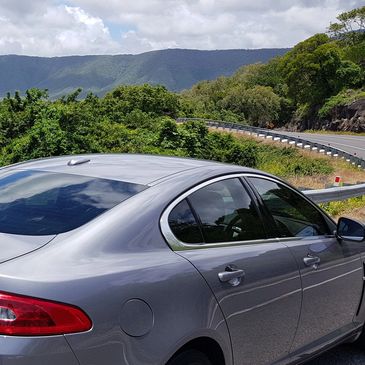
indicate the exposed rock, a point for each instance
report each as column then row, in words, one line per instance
column 349, row 118
column 353, row 110
column 355, row 124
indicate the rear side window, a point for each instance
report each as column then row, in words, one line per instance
column 227, row 212
column 46, row 203
column 184, row 225
column 293, row 215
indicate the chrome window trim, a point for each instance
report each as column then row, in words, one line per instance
column 177, row 245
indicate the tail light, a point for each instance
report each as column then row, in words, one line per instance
column 26, row 316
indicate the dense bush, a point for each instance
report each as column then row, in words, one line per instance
column 135, row 119
column 33, row 127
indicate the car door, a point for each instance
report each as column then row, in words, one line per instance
column 218, row 228
column 331, row 271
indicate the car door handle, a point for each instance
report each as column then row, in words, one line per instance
column 312, row 261
column 233, row 276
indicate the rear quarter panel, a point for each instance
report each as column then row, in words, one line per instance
column 182, row 304
column 36, row 351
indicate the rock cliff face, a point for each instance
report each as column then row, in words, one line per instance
column 348, row 118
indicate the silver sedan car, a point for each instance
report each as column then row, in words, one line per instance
column 150, row 260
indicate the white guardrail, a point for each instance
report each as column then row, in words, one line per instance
column 335, row 194
column 318, row 196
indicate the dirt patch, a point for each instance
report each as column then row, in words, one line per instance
column 357, row 214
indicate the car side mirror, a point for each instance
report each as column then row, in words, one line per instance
column 350, row 230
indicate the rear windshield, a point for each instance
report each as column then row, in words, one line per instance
column 46, row 203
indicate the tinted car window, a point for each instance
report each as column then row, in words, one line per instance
column 46, row 203
column 226, row 212
column 294, row 216
column 184, row 225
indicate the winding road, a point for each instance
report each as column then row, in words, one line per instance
column 349, row 143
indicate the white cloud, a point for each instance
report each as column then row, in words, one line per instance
column 217, row 24
column 50, row 27
column 53, row 30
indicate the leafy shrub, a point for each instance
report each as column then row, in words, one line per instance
column 242, row 154
column 168, row 135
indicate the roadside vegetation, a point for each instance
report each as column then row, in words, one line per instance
column 352, row 208
column 131, row 119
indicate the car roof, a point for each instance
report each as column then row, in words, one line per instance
column 134, row 168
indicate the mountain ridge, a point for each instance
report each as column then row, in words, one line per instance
column 177, row 69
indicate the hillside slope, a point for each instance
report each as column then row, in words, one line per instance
column 177, row 69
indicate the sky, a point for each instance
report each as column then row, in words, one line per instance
column 79, row 27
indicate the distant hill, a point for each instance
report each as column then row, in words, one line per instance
column 177, row 69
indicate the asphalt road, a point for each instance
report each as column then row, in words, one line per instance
column 348, row 143
column 341, row 355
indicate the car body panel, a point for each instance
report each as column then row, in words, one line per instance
column 130, row 168
column 36, row 351
column 331, row 254
column 263, row 311
column 16, row 245
column 182, row 304
column 331, row 292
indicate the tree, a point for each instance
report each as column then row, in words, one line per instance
column 316, row 70
column 351, row 26
column 34, row 95
column 72, row 97
column 206, row 96
column 268, row 74
column 154, row 100
column 259, row 104
column 44, row 139
column 193, row 136
column 18, row 114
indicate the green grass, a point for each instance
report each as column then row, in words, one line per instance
column 287, row 162
column 336, row 209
